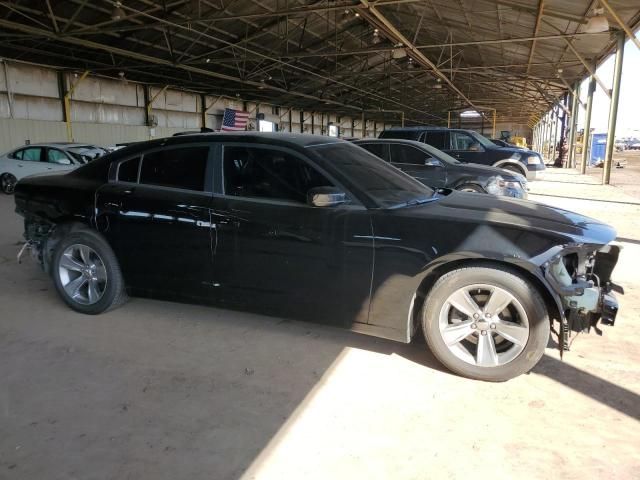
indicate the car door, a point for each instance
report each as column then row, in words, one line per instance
column 27, row 162
column 155, row 212
column 466, row 148
column 419, row 164
column 277, row 252
column 57, row 160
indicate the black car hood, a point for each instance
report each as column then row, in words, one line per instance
column 512, row 213
column 480, row 170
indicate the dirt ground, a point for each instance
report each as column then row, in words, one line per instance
column 626, row 176
column 162, row 390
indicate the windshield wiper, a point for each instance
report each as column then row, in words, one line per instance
column 417, row 201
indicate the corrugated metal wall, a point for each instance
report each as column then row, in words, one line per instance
column 106, row 111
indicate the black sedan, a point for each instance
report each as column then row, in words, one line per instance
column 437, row 169
column 318, row 228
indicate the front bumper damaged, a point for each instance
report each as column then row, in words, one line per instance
column 581, row 277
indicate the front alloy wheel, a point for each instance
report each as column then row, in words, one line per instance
column 484, row 325
column 486, row 322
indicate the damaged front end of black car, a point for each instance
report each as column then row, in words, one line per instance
column 581, row 277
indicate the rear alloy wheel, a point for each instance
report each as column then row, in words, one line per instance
column 86, row 273
column 8, row 183
column 486, row 323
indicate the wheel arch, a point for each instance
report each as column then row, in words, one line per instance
column 554, row 307
column 62, row 227
column 510, row 162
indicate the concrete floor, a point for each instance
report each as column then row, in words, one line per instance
column 163, row 390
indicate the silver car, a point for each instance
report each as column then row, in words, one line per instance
column 43, row 157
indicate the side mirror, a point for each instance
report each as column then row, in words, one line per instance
column 325, row 197
column 432, row 162
column 475, row 147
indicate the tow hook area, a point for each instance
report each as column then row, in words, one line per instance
column 585, row 303
column 27, row 246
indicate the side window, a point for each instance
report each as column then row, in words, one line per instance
column 57, row 156
column 463, row 141
column 177, row 167
column 265, row 173
column 29, row 154
column 406, row 154
column 378, row 149
column 128, row 170
column 437, row 139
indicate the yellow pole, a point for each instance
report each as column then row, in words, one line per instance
column 150, row 104
column 494, row 124
column 67, row 105
column 449, row 119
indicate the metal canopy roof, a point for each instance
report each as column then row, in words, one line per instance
column 421, row 57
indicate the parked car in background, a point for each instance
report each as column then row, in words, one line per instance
column 502, row 143
column 43, row 157
column 471, row 147
column 282, row 223
column 435, row 168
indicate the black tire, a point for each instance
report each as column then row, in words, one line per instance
column 8, row 183
column 114, row 292
column 504, row 278
column 514, row 169
column 470, row 187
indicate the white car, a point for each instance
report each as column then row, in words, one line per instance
column 43, row 157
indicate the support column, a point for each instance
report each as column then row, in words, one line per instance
column 203, row 113
column 402, row 119
column 301, row 121
column 613, row 109
column 494, row 124
column 67, row 105
column 364, row 126
column 587, row 125
column 554, row 134
column 575, row 106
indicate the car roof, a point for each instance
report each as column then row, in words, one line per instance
column 425, row 128
column 298, row 139
column 60, row 145
column 414, row 143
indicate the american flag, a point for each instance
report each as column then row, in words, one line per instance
column 233, row 120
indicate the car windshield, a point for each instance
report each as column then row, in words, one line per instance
column 484, row 141
column 361, row 171
column 86, row 153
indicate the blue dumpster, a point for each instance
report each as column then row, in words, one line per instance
column 598, row 147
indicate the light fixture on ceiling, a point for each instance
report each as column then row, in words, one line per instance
column 118, row 12
column 208, row 60
column 469, row 114
column 398, row 53
column 123, row 79
column 376, row 37
column 411, row 63
column 597, row 22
